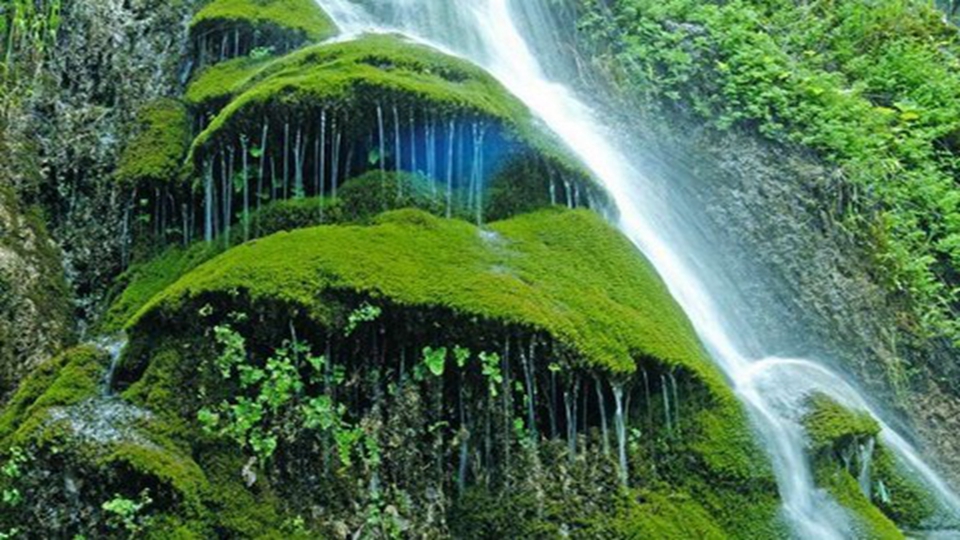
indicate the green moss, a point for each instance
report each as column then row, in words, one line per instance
column 371, row 194
column 303, row 17
column 659, row 515
column 144, row 280
column 907, row 503
column 518, row 189
column 568, row 273
column 196, row 489
column 834, row 429
column 641, row 514
column 869, row 521
column 351, row 77
column 65, row 379
column 831, row 425
column 155, row 154
column 215, row 85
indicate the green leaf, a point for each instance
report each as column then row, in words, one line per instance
column 435, row 360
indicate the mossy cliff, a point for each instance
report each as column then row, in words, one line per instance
column 304, row 123
column 549, row 323
column 856, row 467
column 225, row 29
column 35, row 309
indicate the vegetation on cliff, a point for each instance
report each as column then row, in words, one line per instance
column 856, row 467
column 412, row 328
column 872, row 89
column 225, row 29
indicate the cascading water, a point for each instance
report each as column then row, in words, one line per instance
column 488, row 32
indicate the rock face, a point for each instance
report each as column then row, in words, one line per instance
column 111, row 58
column 35, row 309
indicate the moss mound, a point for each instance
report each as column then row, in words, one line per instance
column 215, row 85
column 230, row 28
column 350, row 79
column 831, row 425
column 862, row 473
column 564, row 274
column 301, row 15
column 568, row 273
column 154, row 156
column 555, row 287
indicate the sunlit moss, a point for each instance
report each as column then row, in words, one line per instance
column 566, row 272
column 214, row 85
column 349, row 79
column 303, row 17
column 831, row 425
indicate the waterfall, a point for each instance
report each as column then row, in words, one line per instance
column 507, row 38
column 113, row 346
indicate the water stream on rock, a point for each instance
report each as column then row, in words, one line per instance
column 512, row 40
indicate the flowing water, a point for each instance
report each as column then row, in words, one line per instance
column 516, row 43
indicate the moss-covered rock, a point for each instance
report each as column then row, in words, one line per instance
column 35, row 308
column 69, row 449
column 214, row 86
column 565, row 275
column 830, row 425
column 868, row 520
column 862, row 474
column 306, row 122
column 230, row 28
column 568, row 273
column 154, row 156
column 560, row 292
column 899, row 496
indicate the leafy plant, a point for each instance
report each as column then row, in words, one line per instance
column 281, row 398
column 435, row 360
column 11, row 471
column 126, row 514
column 364, row 313
column 259, row 53
column 490, row 367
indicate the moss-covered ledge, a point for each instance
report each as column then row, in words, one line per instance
column 154, row 155
column 568, row 273
column 318, row 116
column 563, row 279
column 225, row 29
column 862, row 474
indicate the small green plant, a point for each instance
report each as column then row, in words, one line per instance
column 12, row 470
column 490, row 366
column 364, row 313
column 462, row 356
column 126, row 514
column 435, row 360
column 281, row 398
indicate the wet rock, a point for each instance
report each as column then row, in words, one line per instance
column 35, row 311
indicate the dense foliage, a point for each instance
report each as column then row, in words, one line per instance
column 873, row 87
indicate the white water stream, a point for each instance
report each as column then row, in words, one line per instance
column 488, row 32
